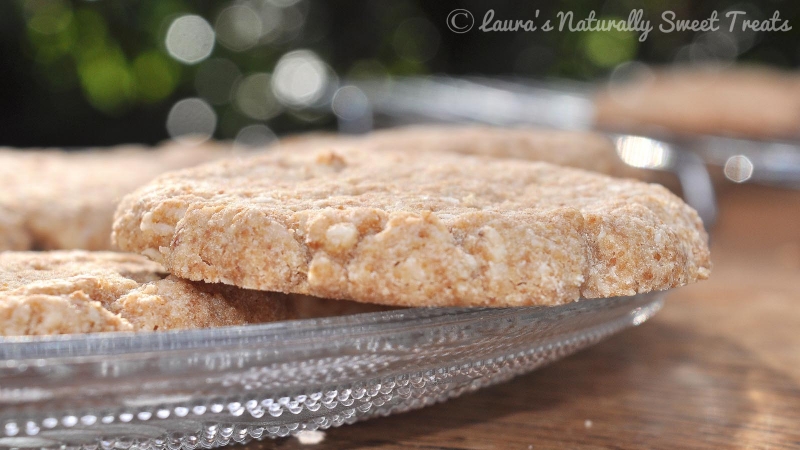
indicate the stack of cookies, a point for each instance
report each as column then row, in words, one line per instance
column 52, row 200
column 405, row 218
column 63, row 292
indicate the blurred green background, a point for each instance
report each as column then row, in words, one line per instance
column 82, row 73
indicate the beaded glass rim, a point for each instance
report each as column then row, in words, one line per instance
column 207, row 388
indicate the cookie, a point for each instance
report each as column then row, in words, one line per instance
column 12, row 229
column 64, row 292
column 414, row 229
column 583, row 150
column 746, row 102
column 52, row 199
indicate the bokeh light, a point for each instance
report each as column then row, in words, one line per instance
column 300, row 78
column 271, row 18
column 107, row 81
column 609, row 48
column 717, row 47
column 738, row 168
column 49, row 16
column 350, row 103
column 255, row 99
column 191, row 120
column 190, row 39
column 745, row 38
column 289, row 21
column 352, row 109
column 642, row 152
column 273, row 61
column 254, row 136
column 156, row 77
column 238, row 27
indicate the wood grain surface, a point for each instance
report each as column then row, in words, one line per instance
column 719, row 367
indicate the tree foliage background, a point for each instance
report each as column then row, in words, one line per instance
column 82, row 73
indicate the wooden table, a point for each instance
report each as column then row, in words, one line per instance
column 719, row 367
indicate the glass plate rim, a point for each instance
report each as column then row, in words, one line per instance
column 283, row 334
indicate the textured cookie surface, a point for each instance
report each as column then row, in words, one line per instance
column 746, row 102
column 66, row 292
column 52, row 199
column 583, row 150
column 414, row 229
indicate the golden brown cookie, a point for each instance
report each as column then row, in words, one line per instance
column 747, row 102
column 75, row 291
column 52, row 199
column 414, row 229
column 12, row 229
column 583, row 150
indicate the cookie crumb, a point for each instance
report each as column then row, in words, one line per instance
column 310, row 437
column 331, row 158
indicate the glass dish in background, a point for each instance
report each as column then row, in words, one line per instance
column 567, row 106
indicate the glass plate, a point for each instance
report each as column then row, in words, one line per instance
column 207, row 388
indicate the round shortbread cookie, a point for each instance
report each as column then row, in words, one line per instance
column 52, row 199
column 12, row 230
column 582, row 150
column 746, row 102
column 414, row 229
column 66, row 292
